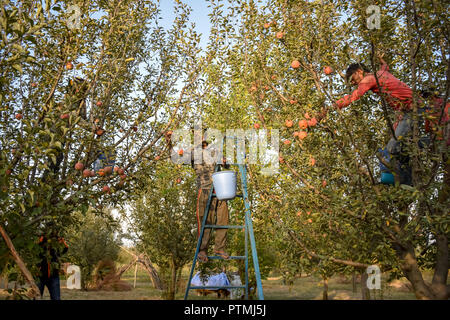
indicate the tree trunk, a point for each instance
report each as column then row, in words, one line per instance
column 34, row 289
column 173, row 282
column 154, row 277
column 179, row 278
column 364, row 290
column 135, row 275
column 354, row 281
column 439, row 282
column 408, row 264
column 325, row 289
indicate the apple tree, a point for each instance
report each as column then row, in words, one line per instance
column 285, row 61
column 87, row 91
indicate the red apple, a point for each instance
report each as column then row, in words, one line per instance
column 157, row 158
column 92, row 173
column 286, row 142
column 34, row 84
column 292, row 101
column 328, row 70
column 289, row 123
column 99, row 103
column 99, row 132
column 19, row 116
column 79, row 166
column 266, row 25
column 123, row 176
column 120, row 171
column 180, row 152
column 108, row 169
column 312, row 122
column 101, row 172
column 69, row 66
column 86, row 173
column 64, row 116
column 280, row 35
column 295, row 64
column 106, row 189
column 256, row 126
column 302, row 135
column 179, row 180
column 303, row 124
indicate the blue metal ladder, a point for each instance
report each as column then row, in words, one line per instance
column 248, row 229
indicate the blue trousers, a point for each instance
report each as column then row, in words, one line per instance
column 52, row 285
column 394, row 147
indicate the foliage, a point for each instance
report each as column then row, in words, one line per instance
column 93, row 239
column 110, row 85
column 163, row 221
column 326, row 210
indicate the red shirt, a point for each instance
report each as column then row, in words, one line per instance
column 397, row 94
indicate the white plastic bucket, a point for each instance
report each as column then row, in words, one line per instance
column 224, row 184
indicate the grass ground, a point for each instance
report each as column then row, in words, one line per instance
column 303, row 288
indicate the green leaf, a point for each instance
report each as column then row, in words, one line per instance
column 31, row 192
column 18, row 67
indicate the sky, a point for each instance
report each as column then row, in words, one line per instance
column 199, row 16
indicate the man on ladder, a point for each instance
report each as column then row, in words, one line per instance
column 218, row 209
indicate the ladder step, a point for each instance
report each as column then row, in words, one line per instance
column 214, row 226
column 221, row 287
column 231, row 258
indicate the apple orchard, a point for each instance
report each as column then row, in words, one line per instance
column 119, row 81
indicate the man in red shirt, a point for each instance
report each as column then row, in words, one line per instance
column 397, row 95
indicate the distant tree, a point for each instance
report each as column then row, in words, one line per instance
column 93, row 239
column 163, row 220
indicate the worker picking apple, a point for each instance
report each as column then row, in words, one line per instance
column 218, row 210
column 397, row 95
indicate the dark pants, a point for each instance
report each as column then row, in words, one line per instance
column 396, row 150
column 218, row 214
column 52, row 285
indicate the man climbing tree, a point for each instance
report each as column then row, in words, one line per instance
column 397, row 95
